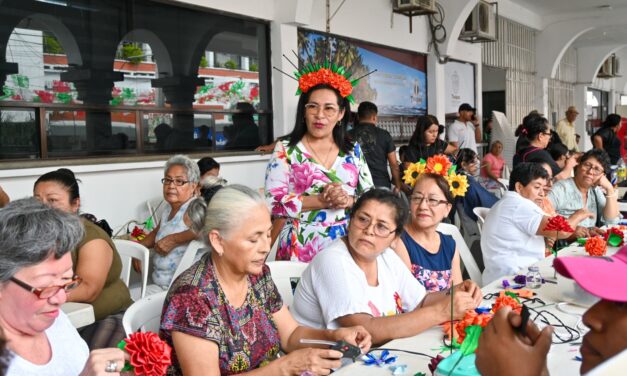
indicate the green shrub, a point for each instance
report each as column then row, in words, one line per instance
column 253, row 67
column 203, row 62
column 230, row 64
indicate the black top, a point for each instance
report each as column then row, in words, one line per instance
column 415, row 153
column 533, row 153
column 376, row 144
column 611, row 143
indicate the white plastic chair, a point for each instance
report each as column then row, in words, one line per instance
column 129, row 250
column 145, row 314
column 481, row 213
column 464, row 251
column 286, row 274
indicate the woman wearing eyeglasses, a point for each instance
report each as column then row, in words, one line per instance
column 95, row 258
column 315, row 173
column 533, row 138
column 430, row 255
column 172, row 235
column 359, row 280
column 588, row 189
column 36, row 277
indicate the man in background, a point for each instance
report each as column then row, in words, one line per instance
column 566, row 129
column 464, row 133
column 377, row 145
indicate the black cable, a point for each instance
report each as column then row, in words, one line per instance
column 436, row 25
column 572, row 332
column 399, row 350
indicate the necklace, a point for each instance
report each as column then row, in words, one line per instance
column 324, row 162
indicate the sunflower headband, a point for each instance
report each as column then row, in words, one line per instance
column 314, row 74
column 439, row 165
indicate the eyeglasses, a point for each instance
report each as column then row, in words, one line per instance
column 47, row 292
column 432, row 202
column 546, row 133
column 363, row 222
column 177, row 182
column 328, row 110
column 592, row 168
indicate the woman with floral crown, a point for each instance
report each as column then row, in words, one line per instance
column 315, row 173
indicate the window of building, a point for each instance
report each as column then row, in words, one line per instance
column 130, row 78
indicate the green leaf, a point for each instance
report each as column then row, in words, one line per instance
column 513, row 296
column 472, row 339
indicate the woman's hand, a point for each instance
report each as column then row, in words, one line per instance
column 355, row 335
column 317, row 361
column 166, row 244
column 335, row 196
column 471, row 288
column 99, row 360
column 605, row 184
column 462, row 302
column 500, row 340
column 571, row 161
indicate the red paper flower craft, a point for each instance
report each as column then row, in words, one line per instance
column 504, row 301
column 614, row 231
column 438, row 164
column 470, row 318
column 325, row 76
column 149, row 354
column 596, row 246
column 558, row 223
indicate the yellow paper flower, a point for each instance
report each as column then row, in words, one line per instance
column 413, row 171
column 458, row 184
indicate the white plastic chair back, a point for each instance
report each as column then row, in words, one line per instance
column 272, row 255
column 464, row 251
column 481, row 213
column 128, row 250
column 145, row 314
column 286, row 275
column 189, row 257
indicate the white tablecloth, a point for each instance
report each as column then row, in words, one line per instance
column 561, row 357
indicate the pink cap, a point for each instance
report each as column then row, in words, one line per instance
column 605, row 277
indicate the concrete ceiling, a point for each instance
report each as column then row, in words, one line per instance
column 556, row 7
column 616, row 34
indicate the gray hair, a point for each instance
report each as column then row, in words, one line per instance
column 30, row 232
column 193, row 173
column 223, row 209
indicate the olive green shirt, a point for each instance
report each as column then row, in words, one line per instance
column 114, row 296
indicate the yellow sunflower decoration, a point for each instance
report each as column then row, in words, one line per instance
column 458, row 184
column 413, row 171
column 439, row 165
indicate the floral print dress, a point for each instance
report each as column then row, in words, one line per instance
column 433, row 270
column 291, row 175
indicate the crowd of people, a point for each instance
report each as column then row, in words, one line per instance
column 330, row 202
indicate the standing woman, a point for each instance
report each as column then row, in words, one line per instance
column 605, row 138
column 95, row 259
column 316, row 173
column 533, row 141
column 424, row 142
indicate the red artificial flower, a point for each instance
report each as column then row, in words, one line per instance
column 616, row 232
column 470, row 318
column 596, row 246
column 504, row 301
column 149, row 354
column 325, row 76
column 438, row 164
column 558, row 223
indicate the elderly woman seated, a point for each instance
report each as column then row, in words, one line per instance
column 35, row 279
column 359, row 280
column 589, row 189
column 513, row 233
column 172, row 236
column 224, row 314
column 95, row 258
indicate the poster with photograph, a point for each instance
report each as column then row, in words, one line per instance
column 397, row 87
column 459, row 85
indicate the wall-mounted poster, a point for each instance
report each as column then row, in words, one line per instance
column 399, row 85
column 459, row 85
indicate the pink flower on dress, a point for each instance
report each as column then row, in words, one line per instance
column 353, row 172
column 280, row 206
column 310, row 249
column 304, row 175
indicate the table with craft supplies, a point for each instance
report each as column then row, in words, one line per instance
column 556, row 296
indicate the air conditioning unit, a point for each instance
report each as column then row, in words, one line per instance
column 481, row 25
column 606, row 70
column 615, row 66
column 415, row 7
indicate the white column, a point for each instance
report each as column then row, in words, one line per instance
column 579, row 101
